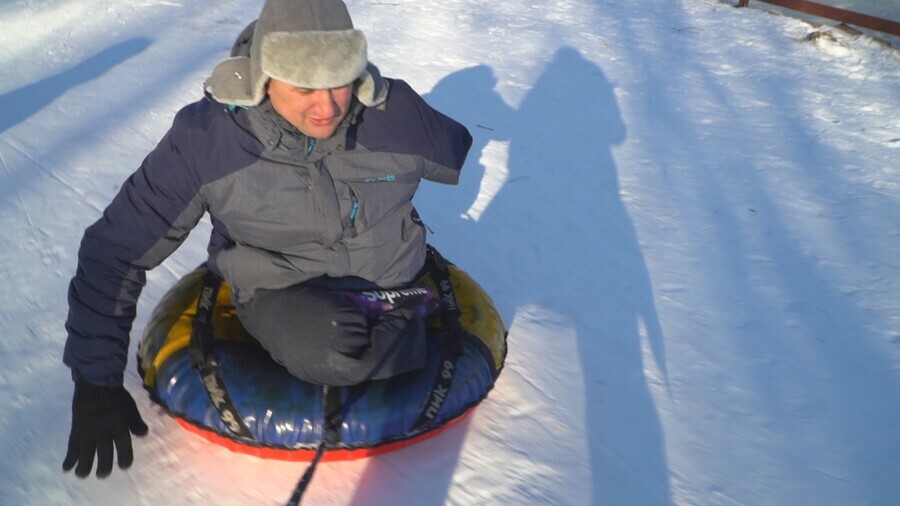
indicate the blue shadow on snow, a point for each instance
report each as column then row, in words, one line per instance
column 20, row 104
column 564, row 242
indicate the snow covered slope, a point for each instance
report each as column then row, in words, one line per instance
column 687, row 213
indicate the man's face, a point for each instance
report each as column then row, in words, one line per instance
column 316, row 113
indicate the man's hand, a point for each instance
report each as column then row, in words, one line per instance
column 101, row 417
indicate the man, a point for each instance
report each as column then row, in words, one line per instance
column 307, row 161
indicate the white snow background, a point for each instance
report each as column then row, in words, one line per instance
column 688, row 215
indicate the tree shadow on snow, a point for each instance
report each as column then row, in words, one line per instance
column 20, row 104
column 564, row 243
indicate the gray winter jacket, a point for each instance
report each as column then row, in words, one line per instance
column 285, row 209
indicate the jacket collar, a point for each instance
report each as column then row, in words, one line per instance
column 273, row 130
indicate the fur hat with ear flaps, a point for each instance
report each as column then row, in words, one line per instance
column 308, row 43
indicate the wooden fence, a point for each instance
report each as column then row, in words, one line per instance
column 842, row 15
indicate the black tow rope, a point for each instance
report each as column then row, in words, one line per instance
column 450, row 352
column 334, row 416
column 202, row 358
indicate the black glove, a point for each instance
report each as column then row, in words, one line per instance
column 101, row 416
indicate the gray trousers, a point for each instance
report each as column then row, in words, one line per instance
column 323, row 338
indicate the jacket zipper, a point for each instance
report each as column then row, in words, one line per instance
column 354, row 210
column 354, row 200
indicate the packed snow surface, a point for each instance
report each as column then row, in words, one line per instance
column 687, row 214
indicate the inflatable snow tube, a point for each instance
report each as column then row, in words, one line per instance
column 286, row 416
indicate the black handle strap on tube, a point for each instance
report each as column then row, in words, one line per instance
column 452, row 345
column 200, row 348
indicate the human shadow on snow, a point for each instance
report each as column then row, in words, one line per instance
column 383, row 483
column 576, row 253
column 563, row 242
